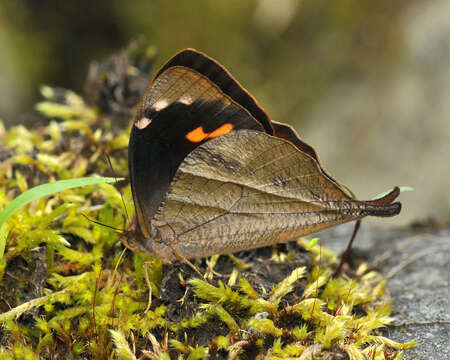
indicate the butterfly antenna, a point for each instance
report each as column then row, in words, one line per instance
column 99, row 223
column 347, row 250
column 108, row 159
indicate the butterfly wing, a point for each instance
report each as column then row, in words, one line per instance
column 216, row 73
column 182, row 109
column 248, row 189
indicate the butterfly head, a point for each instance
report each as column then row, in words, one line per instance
column 134, row 240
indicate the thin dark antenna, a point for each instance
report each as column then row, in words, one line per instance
column 99, row 223
column 347, row 250
column 115, row 177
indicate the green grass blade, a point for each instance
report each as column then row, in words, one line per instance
column 40, row 191
column 3, row 236
column 384, row 193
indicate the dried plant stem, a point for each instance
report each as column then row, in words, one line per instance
column 19, row 310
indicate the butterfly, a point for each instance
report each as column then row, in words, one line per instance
column 211, row 173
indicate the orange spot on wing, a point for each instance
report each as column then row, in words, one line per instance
column 224, row 129
column 198, row 134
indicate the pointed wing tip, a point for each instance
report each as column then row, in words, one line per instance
column 383, row 210
column 384, row 206
column 392, row 210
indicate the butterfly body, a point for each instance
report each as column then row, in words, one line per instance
column 210, row 173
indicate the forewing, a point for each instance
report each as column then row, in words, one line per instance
column 181, row 110
column 216, row 73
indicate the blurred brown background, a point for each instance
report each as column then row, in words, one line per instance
column 366, row 82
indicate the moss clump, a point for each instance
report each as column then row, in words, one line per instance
column 67, row 290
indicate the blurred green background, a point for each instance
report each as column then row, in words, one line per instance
column 366, row 82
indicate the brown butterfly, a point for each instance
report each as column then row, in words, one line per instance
column 212, row 174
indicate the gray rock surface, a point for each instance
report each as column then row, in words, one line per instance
column 417, row 266
column 391, row 126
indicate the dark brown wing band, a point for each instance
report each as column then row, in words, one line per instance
column 221, row 77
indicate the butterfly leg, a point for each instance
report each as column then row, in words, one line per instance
column 210, row 263
column 180, row 257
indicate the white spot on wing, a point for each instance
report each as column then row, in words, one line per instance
column 160, row 104
column 186, row 99
column 143, row 123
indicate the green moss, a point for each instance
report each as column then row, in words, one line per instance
column 91, row 301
